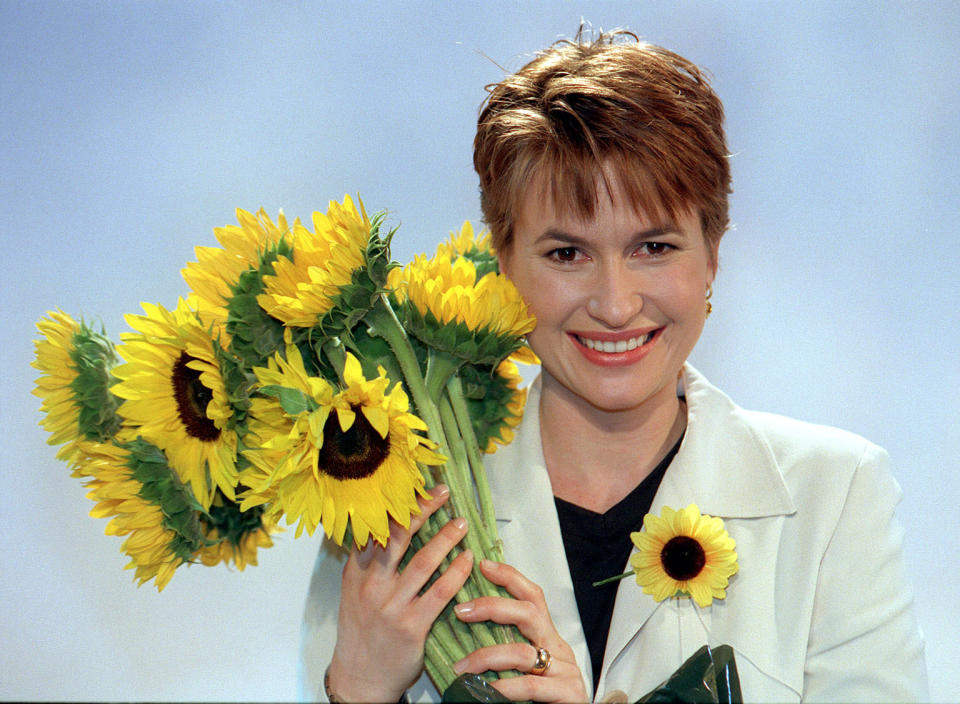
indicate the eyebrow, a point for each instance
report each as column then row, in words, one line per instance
column 555, row 233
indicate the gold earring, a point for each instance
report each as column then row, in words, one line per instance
column 709, row 304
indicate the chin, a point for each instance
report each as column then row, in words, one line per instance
column 617, row 399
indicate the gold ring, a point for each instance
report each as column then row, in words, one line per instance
column 542, row 662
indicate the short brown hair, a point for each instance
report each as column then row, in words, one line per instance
column 579, row 106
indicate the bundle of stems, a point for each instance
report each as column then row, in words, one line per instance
column 438, row 396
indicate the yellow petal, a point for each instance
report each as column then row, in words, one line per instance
column 378, row 418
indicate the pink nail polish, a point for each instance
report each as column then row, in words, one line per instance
column 463, row 609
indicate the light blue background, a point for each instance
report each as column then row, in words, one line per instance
column 129, row 130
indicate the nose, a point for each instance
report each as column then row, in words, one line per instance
column 616, row 297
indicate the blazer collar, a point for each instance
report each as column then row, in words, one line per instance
column 723, row 466
column 727, row 469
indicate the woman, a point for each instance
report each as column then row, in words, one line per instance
column 604, row 179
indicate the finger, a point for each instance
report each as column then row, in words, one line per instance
column 562, row 681
column 389, row 557
column 433, row 601
column 438, row 497
column 508, row 656
column 535, row 688
column 513, row 581
column 533, row 621
column 428, row 559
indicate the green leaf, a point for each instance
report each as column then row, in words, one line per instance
column 293, row 401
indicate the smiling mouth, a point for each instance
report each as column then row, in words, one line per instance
column 610, row 347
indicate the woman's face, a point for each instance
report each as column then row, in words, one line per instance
column 619, row 299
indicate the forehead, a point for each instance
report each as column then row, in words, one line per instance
column 610, row 202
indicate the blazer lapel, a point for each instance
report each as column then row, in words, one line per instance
column 724, row 468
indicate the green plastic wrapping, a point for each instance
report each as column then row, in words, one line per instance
column 708, row 676
column 469, row 688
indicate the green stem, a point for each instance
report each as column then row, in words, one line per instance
column 334, row 351
column 440, row 652
column 478, row 540
column 454, row 397
column 441, row 427
column 463, row 495
column 462, row 414
column 613, row 579
column 383, row 321
column 436, row 667
column 441, row 367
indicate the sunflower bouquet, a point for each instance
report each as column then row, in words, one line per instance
column 305, row 379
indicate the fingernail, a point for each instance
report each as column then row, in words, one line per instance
column 487, row 564
column 440, row 490
column 460, row 522
column 460, row 666
column 468, row 554
column 464, row 609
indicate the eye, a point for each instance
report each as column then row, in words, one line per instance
column 564, row 255
column 655, row 249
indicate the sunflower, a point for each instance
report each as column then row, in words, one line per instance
column 445, row 305
column 234, row 535
column 176, row 398
column 684, row 553
column 476, row 248
column 327, row 269
column 75, row 384
column 215, row 276
column 464, row 242
column 495, row 402
column 334, row 457
column 225, row 284
column 479, row 250
column 134, row 487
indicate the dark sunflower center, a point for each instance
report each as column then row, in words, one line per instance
column 682, row 558
column 192, row 398
column 354, row 454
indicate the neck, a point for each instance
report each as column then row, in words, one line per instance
column 596, row 457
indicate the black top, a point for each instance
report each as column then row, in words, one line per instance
column 598, row 546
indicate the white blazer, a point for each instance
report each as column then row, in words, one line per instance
column 820, row 610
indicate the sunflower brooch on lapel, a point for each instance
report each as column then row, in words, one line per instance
column 682, row 554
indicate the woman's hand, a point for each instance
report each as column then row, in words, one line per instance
column 383, row 618
column 561, row 681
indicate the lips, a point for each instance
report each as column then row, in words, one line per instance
column 610, row 346
column 615, row 349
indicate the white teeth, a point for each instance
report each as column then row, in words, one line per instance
column 614, row 347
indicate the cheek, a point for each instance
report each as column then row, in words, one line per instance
column 550, row 300
column 681, row 296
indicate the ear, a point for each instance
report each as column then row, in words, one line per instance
column 714, row 262
column 503, row 261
